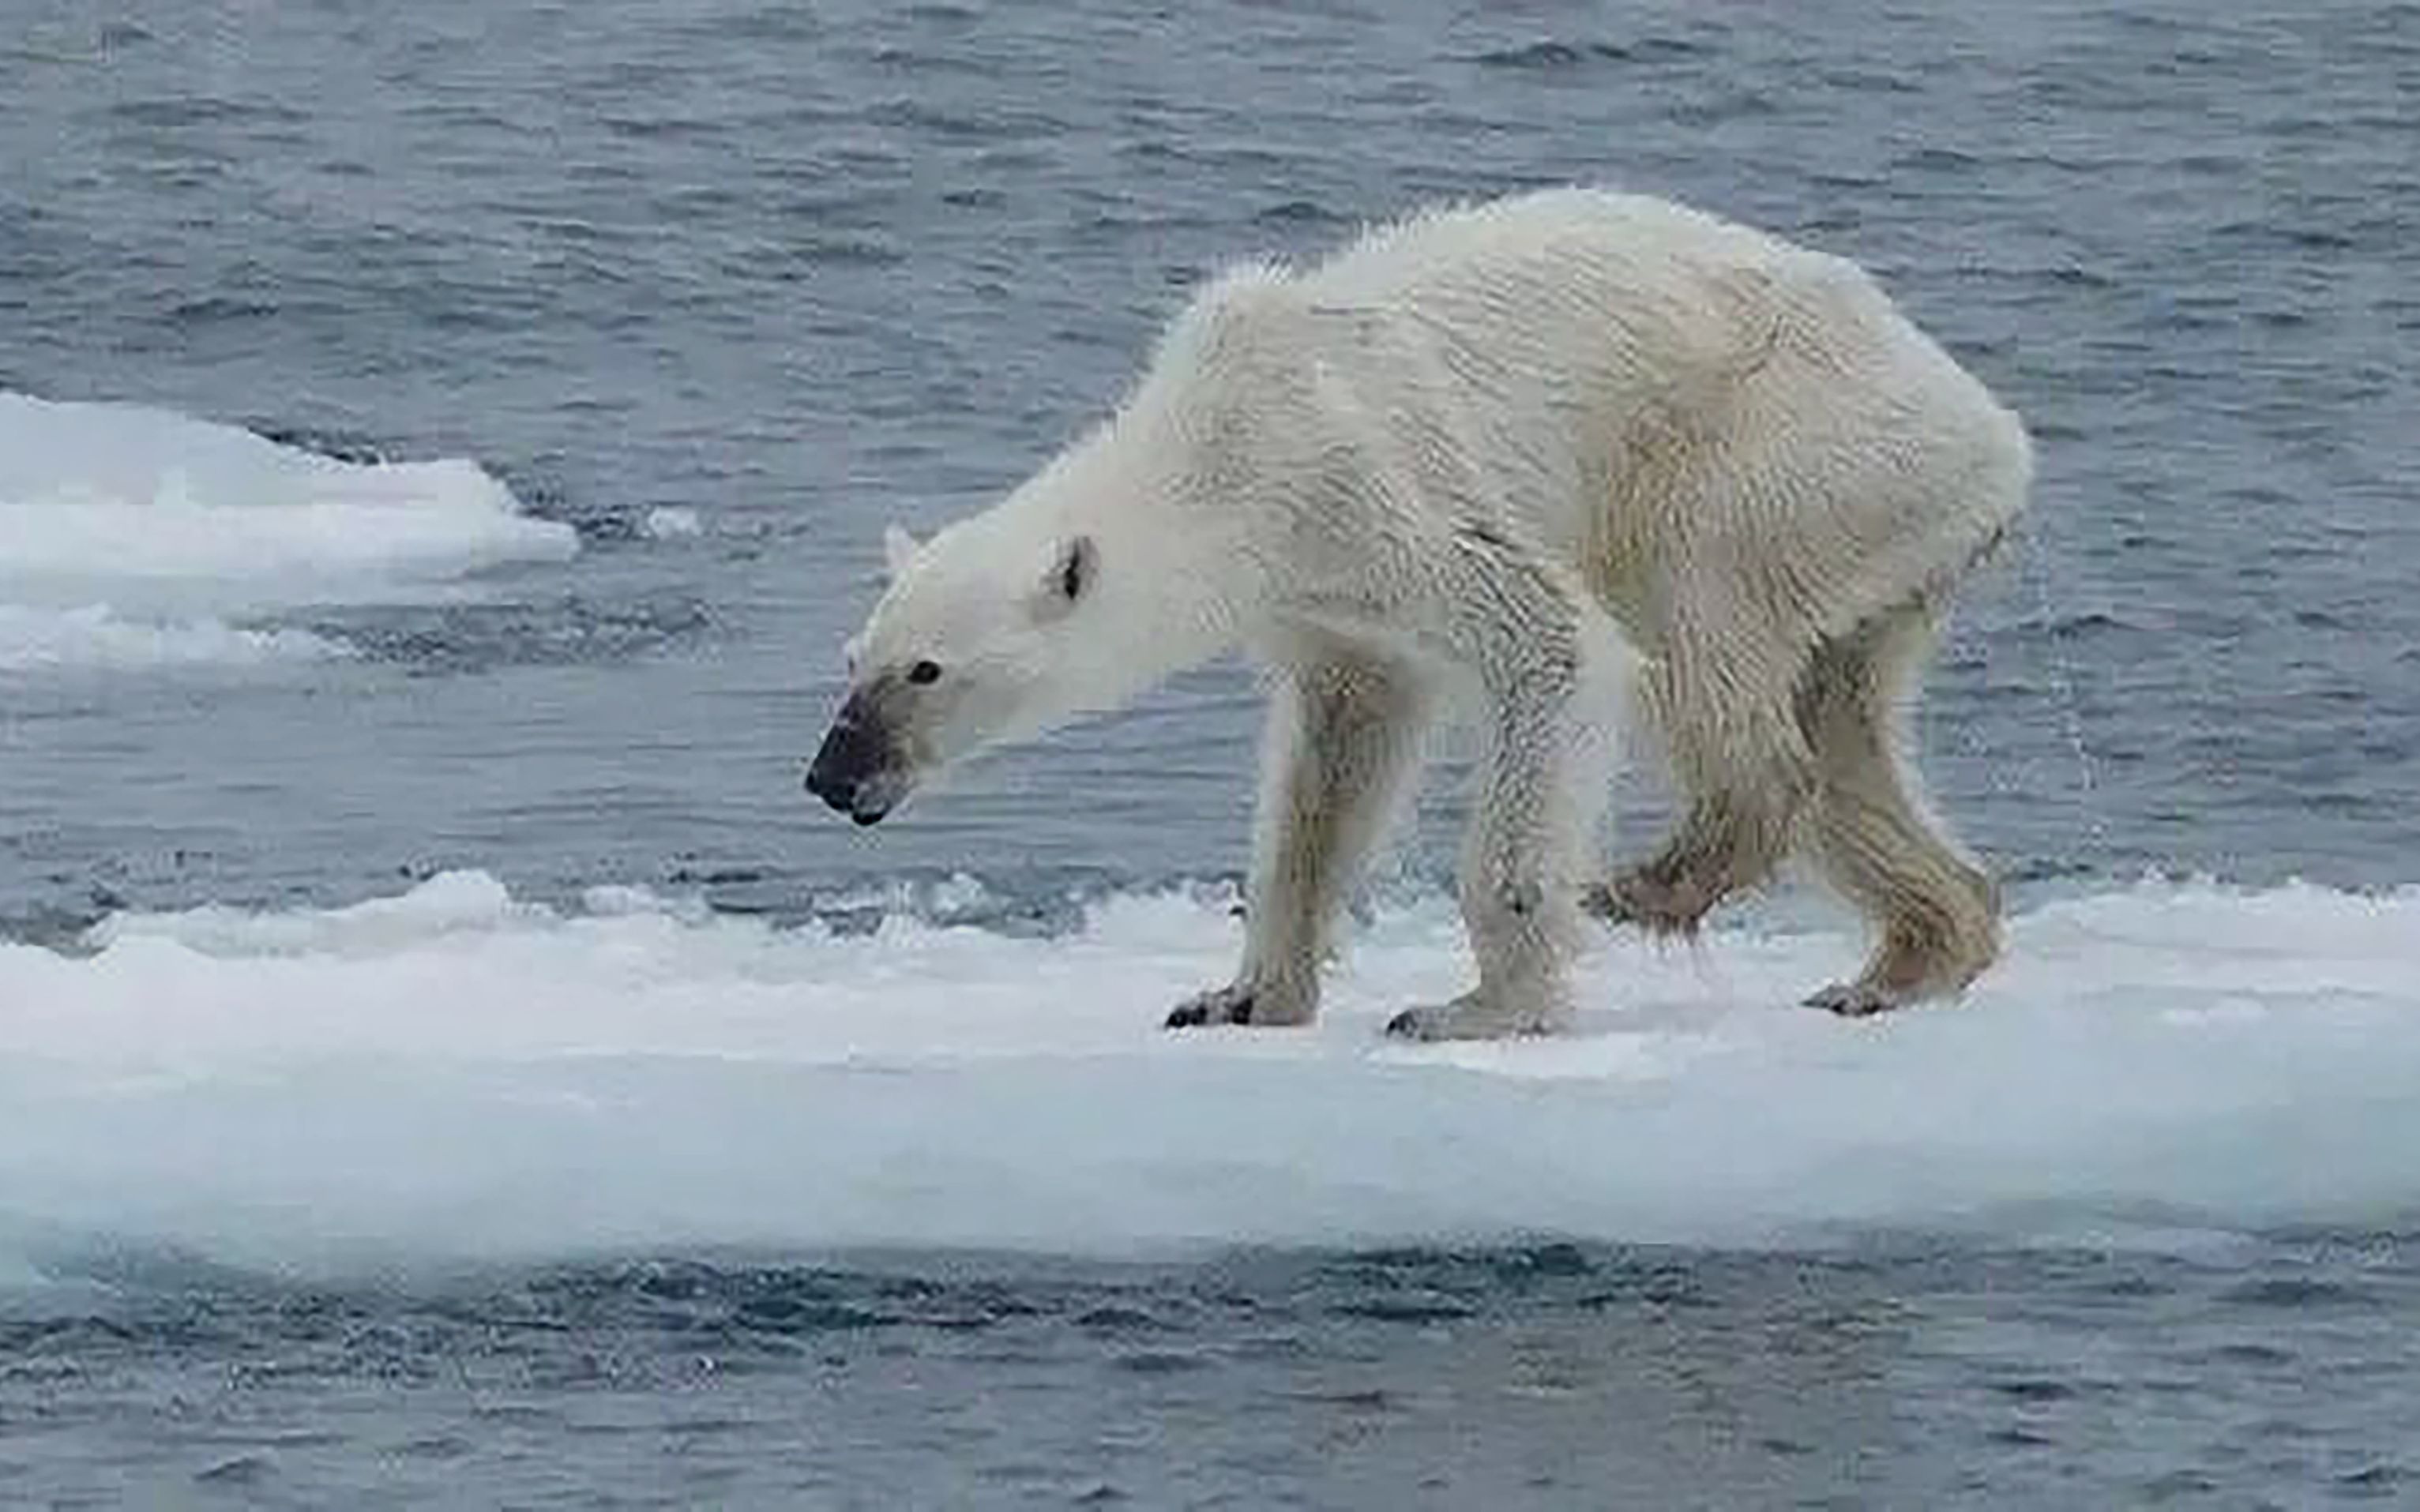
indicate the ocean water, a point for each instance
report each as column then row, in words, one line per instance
column 445, row 1061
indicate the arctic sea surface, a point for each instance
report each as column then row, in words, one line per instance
column 446, row 1060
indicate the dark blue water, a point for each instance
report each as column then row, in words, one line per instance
column 803, row 270
column 1541, row 1375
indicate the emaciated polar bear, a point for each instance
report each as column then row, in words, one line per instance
column 1533, row 453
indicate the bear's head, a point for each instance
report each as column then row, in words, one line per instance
column 975, row 641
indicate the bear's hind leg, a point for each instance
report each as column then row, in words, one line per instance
column 1745, row 770
column 1934, row 912
column 1344, row 735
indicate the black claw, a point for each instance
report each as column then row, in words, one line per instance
column 1850, row 1002
column 1199, row 1013
column 1601, row 902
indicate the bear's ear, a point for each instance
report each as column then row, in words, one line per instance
column 898, row 549
column 1071, row 577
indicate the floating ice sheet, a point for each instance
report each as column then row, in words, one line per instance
column 133, row 537
column 452, row 1074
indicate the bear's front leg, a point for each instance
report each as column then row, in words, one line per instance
column 1344, row 733
column 1541, row 787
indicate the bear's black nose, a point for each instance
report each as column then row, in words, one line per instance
column 828, row 785
column 838, row 766
column 854, row 751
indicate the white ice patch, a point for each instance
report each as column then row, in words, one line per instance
column 137, row 537
column 35, row 639
column 671, row 523
column 452, row 1074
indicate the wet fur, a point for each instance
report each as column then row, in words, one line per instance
column 1518, row 464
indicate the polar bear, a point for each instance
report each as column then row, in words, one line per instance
column 1518, row 460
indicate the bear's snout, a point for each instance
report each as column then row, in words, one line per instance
column 857, row 769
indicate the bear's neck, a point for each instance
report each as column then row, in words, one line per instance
column 1175, row 582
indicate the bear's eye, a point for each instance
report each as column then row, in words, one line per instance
column 924, row 671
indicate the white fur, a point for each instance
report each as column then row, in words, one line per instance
column 1521, row 453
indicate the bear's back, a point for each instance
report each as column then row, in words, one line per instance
column 1585, row 292
column 1632, row 375
column 1556, row 238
